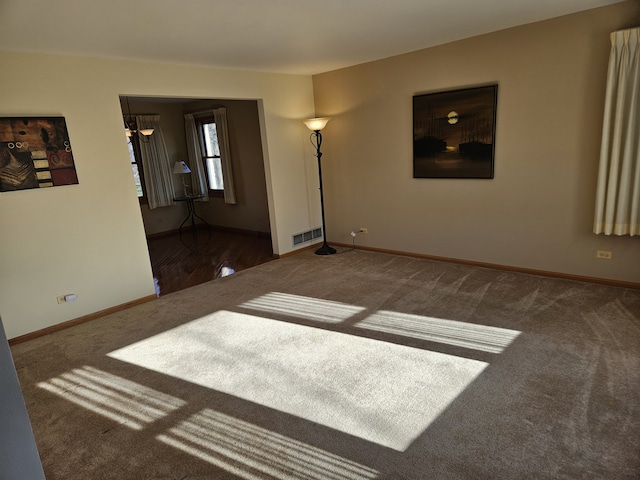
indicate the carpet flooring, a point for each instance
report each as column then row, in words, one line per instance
column 358, row 365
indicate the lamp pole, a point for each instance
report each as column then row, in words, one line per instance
column 315, row 125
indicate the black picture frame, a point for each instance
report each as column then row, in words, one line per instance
column 454, row 133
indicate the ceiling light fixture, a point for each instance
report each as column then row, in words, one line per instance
column 131, row 126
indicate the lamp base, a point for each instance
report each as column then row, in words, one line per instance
column 325, row 250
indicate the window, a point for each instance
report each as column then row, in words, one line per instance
column 136, row 171
column 136, row 165
column 207, row 135
column 211, row 154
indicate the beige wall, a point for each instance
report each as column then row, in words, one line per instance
column 538, row 210
column 537, row 213
column 88, row 238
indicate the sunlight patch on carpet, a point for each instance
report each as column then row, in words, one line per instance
column 382, row 392
column 255, row 453
column 126, row 402
column 451, row 332
column 297, row 306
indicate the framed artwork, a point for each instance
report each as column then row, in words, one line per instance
column 35, row 152
column 454, row 133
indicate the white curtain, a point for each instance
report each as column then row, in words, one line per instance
column 220, row 117
column 618, row 193
column 158, row 178
column 194, row 149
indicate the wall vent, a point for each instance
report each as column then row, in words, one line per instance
column 304, row 237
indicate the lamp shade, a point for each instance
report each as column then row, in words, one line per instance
column 316, row 124
column 181, row 167
column 146, row 131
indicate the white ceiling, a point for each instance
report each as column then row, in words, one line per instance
column 289, row 36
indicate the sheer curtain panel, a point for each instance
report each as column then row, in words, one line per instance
column 618, row 192
column 194, row 149
column 158, row 177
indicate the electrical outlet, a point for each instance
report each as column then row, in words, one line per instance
column 605, row 254
column 364, row 230
column 69, row 297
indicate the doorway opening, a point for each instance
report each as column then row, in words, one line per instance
column 237, row 236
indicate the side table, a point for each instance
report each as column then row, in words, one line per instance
column 191, row 213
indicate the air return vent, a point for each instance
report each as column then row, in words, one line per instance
column 305, row 237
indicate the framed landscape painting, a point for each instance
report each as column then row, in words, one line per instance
column 454, row 133
column 35, row 152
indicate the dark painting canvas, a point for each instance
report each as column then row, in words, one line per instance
column 35, row 152
column 454, row 133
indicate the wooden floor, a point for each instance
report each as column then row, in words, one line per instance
column 182, row 262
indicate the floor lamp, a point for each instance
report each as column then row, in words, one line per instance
column 315, row 125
